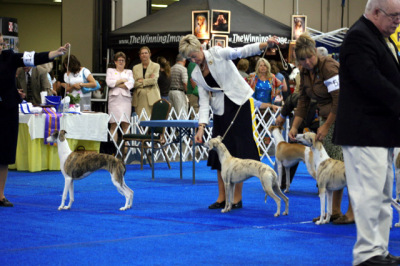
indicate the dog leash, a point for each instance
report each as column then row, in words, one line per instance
column 233, row 120
column 65, row 107
column 284, row 63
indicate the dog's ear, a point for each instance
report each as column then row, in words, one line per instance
column 311, row 137
column 318, row 145
column 55, row 134
column 219, row 138
column 62, row 135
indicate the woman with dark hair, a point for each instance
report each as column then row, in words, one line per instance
column 164, row 80
column 9, row 100
column 77, row 77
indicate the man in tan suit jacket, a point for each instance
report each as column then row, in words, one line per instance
column 39, row 83
column 146, row 90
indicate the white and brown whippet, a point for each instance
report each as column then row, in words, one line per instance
column 289, row 154
column 235, row 170
column 330, row 174
column 76, row 166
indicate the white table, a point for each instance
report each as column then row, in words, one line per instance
column 85, row 126
column 86, row 129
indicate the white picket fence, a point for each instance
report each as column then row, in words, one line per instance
column 260, row 131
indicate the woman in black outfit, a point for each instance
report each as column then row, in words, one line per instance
column 9, row 100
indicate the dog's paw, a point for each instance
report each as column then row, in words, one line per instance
column 225, row 210
column 286, row 190
column 66, row 207
column 60, row 208
column 124, row 208
column 318, row 222
column 285, row 213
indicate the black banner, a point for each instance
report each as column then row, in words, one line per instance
column 172, row 39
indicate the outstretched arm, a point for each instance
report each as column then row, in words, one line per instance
column 59, row 52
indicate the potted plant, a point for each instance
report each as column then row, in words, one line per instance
column 74, row 101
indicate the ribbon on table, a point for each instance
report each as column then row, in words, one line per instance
column 24, row 106
column 52, row 123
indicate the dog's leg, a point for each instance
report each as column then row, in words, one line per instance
column 396, row 206
column 124, row 190
column 280, row 171
column 267, row 182
column 279, row 192
column 397, row 184
column 322, row 196
column 71, row 195
column 287, row 170
column 229, row 190
column 67, row 184
column 277, row 200
column 129, row 193
column 329, row 203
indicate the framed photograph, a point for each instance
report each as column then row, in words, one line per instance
column 220, row 40
column 201, row 24
column 221, row 21
column 299, row 25
column 291, row 55
column 101, row 95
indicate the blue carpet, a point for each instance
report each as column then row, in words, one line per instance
column 169, row 223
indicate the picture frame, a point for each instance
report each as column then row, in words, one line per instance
column 100, row 95
column 299, row 26
column 201, row 24
column 219, row 40
column 221, row 21
column 291, row 55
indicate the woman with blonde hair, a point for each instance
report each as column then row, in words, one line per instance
column 267, row 88
column 320, row 81
column 221, row 86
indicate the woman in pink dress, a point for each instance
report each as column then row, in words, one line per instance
column 119, row 81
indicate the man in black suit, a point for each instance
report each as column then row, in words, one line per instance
column 368, row 126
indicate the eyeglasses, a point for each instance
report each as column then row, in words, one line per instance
column 121, row 60
column 392, row 17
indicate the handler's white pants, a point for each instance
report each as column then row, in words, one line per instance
column 369, row 174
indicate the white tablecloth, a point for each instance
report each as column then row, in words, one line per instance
column 85, row 126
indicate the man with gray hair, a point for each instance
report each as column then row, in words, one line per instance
column 322, row 51
column 368, row 126
column 177, row 91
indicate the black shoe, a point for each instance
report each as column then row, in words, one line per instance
column 217, row 205
column 379, row 260
column 238, row 205
column 5, row 203
column 395, row 258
